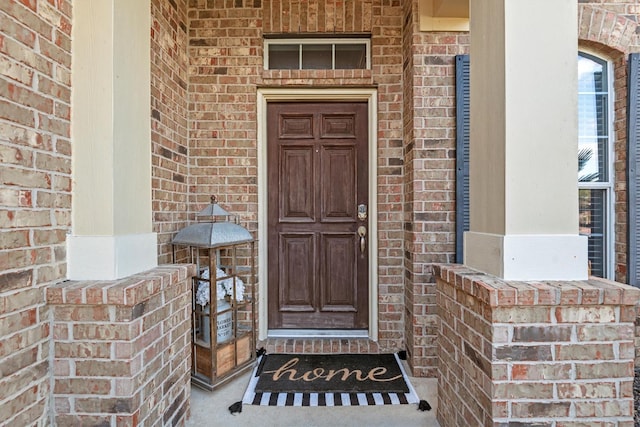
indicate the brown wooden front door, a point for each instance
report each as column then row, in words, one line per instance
column 317, row 178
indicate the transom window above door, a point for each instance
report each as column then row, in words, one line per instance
column 317, row 54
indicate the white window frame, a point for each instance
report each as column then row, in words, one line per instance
column 304, row 41
column 609, row 185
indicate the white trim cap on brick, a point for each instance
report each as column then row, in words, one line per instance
column 110, row 257
column 527, row 257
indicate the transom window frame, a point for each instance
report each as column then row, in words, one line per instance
column 317, row 41
column 608, row 185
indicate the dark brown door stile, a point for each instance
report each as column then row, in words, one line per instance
column 317, row 178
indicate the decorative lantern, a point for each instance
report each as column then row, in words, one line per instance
column 223, row 320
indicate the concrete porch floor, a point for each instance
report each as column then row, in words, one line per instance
column 211, row 409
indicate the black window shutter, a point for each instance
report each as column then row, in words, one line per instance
column 463, row 125
column 633, row 169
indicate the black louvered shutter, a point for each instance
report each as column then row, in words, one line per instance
column 633, row 168
column 463, row 124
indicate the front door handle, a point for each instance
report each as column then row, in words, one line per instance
column 362, row 232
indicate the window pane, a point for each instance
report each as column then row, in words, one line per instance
column 592, row 76
column 351, row 56
column 592, row 160
column 592, row 114
column 284, row 56
column 592, row 217
column 316, row 56
column 593, row 119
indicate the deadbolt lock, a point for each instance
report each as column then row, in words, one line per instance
column 362, row 212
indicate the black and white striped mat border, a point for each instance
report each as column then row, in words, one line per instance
column 327, row 399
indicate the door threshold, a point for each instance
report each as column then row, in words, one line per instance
column 318, row 333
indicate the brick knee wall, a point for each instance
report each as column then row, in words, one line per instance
column 534, row 353
column 122, row 349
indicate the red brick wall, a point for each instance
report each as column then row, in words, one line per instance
column 169, row 121
column 516, row 353
column 429, row 119
column 387, row 63
column 225, row 48
column 35, row 195
column 620, row 166
column 410, row 29
column 122, row 349
column 226, row 65
column 612, row 23
column 319, row 16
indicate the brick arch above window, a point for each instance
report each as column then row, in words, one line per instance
column 606, row 27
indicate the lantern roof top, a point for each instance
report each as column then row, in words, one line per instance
column 212, row 234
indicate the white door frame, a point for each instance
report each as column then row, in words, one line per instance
column 266, row 95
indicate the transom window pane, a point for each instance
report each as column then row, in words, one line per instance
column 317, row 54
column 317, row 57
column 351, row 56
column 284, row 56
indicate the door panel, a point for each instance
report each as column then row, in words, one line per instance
column 295, row 126
column 297, row 164
column 339, row 187
column 297, row 272
column 339, row 273
column 317, row 176
column 338, row 126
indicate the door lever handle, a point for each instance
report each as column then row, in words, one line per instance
column 362, row 232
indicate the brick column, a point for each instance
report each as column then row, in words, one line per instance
column 534, row 353
column 122, row 349
column 429, row 191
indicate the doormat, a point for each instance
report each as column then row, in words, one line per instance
column 329, row 380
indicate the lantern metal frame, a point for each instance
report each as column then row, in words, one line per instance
column 211, row 246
